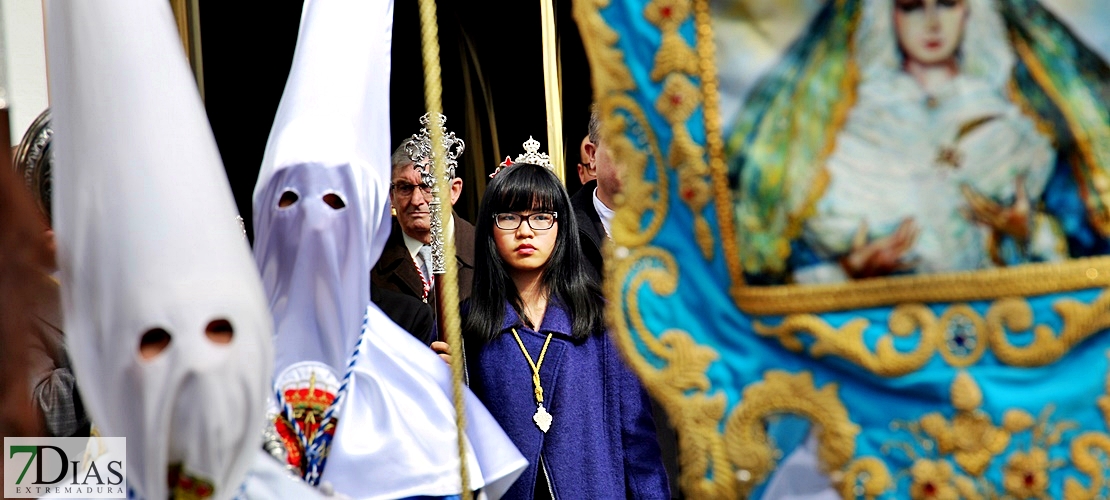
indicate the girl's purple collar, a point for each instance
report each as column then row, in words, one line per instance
column 555, row 320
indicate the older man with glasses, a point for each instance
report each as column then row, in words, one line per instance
column 405, row 264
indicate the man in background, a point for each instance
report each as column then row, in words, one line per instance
column 405, row 264
column 594, row 206
column 57, row 403
column 586, row 172
column 595, row 203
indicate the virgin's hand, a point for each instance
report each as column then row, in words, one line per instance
column 882, row 256
column 1012, row 220
column 444, row 351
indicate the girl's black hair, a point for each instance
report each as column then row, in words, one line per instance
column 520, row 188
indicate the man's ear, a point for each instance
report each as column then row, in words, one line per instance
column 591, row 152
column 456, row 189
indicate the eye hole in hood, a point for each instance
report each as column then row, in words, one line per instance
column 153, row 342
column 288, row 198
column 334, row 201
column 219, row 331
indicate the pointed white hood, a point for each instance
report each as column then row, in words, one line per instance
column 330, row 136
column 321, row 220
column 148, row 239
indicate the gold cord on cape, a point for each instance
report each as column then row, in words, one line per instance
column 542, row 417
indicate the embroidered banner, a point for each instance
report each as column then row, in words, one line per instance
column 881, row 224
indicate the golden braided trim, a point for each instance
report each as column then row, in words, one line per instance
column 971, row 439
column 611, row 78
column 865, row 477
column 714, row 143
column 1104, row 402
column 681, row 385
column 678, row 100
column 780, row 392
column 668, row 15
column 639, row 197
column 607, row 68
column 1003, row 317
column 847, row 341
column 988, row 284
column 674, row 62
column 677, row 103
column 674, row 56
column 1080, row 322
column 1089, row 464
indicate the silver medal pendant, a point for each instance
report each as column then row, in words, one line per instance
column 542, row 418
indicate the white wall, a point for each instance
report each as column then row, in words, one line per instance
column 24, row 61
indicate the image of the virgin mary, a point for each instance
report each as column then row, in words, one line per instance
column 922, row 136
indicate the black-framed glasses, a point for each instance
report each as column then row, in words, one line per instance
column 539, row 221
column 405, row 189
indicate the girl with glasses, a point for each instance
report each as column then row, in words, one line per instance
column 538, row 354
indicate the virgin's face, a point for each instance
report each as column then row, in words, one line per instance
column 525, row 249
column 929, row 31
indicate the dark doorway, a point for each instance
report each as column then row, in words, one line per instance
column 493, row 88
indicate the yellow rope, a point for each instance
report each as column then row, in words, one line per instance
column 534, row 364
column 433, row 93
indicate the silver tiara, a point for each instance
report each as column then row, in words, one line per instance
column 531, row 155
column 419, row 148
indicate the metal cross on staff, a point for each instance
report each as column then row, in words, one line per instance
column 422, row 152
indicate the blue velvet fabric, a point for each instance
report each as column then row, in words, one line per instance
column 602, row 441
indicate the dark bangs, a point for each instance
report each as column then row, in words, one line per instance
column 524, row 187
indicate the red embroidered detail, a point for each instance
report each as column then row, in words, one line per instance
column 309, row 405
column 294, row 455
column 189, row 487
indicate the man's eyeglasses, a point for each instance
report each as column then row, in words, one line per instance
column 405, row 189
column 540, row 221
